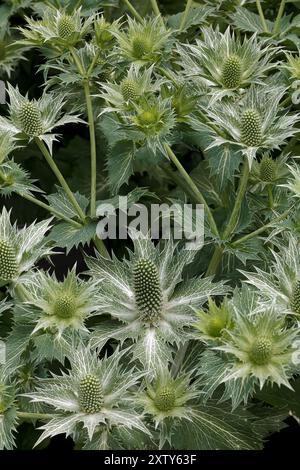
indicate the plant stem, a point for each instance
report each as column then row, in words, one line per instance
column 185, row 14
column 133, row 10
column 101, row 247
column 27, row 415
column 21, row 292
column 89, row 106
column 270, row 196
column 193, row 188
column 156, row 9
column 217, row 256
column 279, row 16
column 60, row 177
column 262, row 16
column 58, row 214
column 261, row 229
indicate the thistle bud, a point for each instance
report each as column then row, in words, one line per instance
column 165, row 399
column 251, row 128
column 90, row 394
column 140, row 47
column 65, row 26
column 148, row 294
column 267, row 169
column 64, row 306
column 30, row 119
column 147, row 118
column 261, row 351
column 295, row 300
column 8, row 261
column 232, row 71
column 129, row 90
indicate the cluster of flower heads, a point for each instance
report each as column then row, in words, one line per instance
column 157, row 383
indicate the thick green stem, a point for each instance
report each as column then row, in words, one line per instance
column 262, row 16
column 234, row 218
column 27, row 415
column 193, row 188
column 261, row 229
column 133, row 10
column 185, row 14
column 99, row 244
column 270, row 196
column 89, row 106
column 48, row 208
column 279, row 16
column 156, row 9
column 60, row 177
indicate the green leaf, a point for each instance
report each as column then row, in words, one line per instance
column 215, row 427
column 120, row 164
column 67, row 236
column 60, row 202
column 8, row 422
column 283, row 398
column 196, row 16
column 17, row 180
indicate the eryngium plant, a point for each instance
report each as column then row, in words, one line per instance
column 139, row 343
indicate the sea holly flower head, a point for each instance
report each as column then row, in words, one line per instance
column 260, row 346
column 213, row 322
column 94, row 394
column 166, row 397
column 226, row 63
column 60, row 305
column 20, row 248
column 35, row 118
column 135, row 86
column 104, row 37
column 143, row 42
column 57, row 29
column 254, row 123
column 280, row 286
column 148, row 299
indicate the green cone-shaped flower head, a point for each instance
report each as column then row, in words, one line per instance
column 148, row 294
column 65, row 26
column 64, row 306
column 295, row 300
column 232, row 71
column 141, row 46
column 8, row 261
column 30, row 119
column 90, row 394
column 261, row 351
column 129, row 90
column 165, row 398
column 251, row 128
column 267, row 169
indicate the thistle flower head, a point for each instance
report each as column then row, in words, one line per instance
column 251, row 128
column 61, row 305
column 254, row 123
column 103, row 32
column 135, row 86
column 30, row 119
column 166, row 397
column 34, row 118
column 267, row 169
column 226, row 63
column 143, row 42
column 94, row 393
column 147, row 298
column 280, row 285
column 260, row 347
column 57, row 28
column 232, row 72
column 20, row 249
column 211, row 324
column 65, row 26
column 293, row 66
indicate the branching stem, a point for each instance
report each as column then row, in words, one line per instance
column 262, row 16
column 132, row 10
